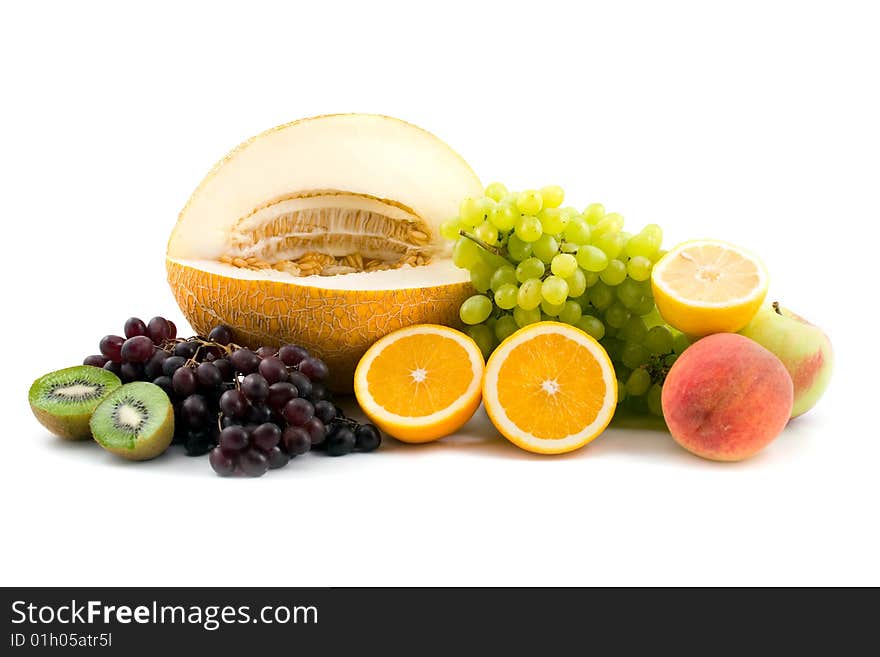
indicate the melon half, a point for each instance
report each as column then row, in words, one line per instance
column 323, row 232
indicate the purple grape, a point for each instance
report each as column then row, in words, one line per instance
column 233, row 439
column 134, row 326
column 244, row 361
column 266, row 436
column 258, row 414
column 111, row 347
column 277, row 458
column 116, row 368
column 367, row 437
column 298, row 411
column 172, row 329
column 223, row 464
column 164, row 382
column 158, row 329
column 265, row 352
column 233, row 404
column 208, row 376
column 138, row 349
column 184, row 382
column 319, row 392
column 221, row 335
column 131, row 372
column 314, row 368
column 227, row 421
column 273, row 370
column 185, row 350
column 280, row 394
column 296, row 440
column 302, row 383
column 316, row 429
column 255, row 388
column 325, row 411
column 96, row 360
column 172, row 364
column 291, row 354
column 225, row 369
column 154, row 366
column 195, row 411
column 253, row 463
column 340, row 441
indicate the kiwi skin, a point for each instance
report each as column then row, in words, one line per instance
column 73, row 423
column 144, row 449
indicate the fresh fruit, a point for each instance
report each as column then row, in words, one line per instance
column 802, row 347
column 326, row 231
column 420, row 383
column 63, row 401
column 135, row 421
column 726, row 397
column 708, row 286
column 550, row 388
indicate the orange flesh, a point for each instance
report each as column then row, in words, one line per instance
column 544, row 364
column 711, row 274
column 419, row 375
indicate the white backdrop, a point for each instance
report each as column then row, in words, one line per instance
column 754, row 122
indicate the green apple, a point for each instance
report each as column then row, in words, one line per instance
column 803, row 348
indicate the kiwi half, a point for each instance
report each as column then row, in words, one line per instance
column 135, row 421
column 63, row 401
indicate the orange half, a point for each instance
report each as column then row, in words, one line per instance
column 550, row 388
column 420, row 383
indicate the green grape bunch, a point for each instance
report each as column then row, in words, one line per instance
column 531, row 260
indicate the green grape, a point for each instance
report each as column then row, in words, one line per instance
column 657, row 256
column 621, row 391
column 474, row 211
column 658, row 340
column 614, row 273
column 571, row 312
column 629, row 293
column 638, row 383
column 486, row 232
column 491, row 259
column 529, row 295
column 475, row 309
column 518, row 249
column 554, row 290
column 591, row 258
column 610, row 243
column 680, row 342
column 669, row 359
column 639, row 246
column 450, row 228
column 568, row 247
column 496, row 191
column 484, row 336
column 553, row 220
column 552, row 195
column 528, row 228
column 634, row 330
column 577, row 283
column 529, row 268
column 654, row 233
column 591, row 277
column 608, row 225
column 634, row 355
column 525, row 317
column 594, row 213
column 506, row 296
column 644, row 306
column 564, row 264
column 577, row 231
column 639, row 268
column 601, row 296
column 529, row 202
column 655, row 400
column 616, row 315
column 481, row 276
column 591, row 326
column 503, row 216
column 505, row 327
column 502, row 275
column 545, row 247
column 465, row 253
column 612, row 346
column 551, row 309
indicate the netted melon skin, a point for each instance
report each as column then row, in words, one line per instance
column 336, row 325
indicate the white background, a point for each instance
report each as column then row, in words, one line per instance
column 751, row 122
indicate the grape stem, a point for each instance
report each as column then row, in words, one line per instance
column 776, row 308
column 487, row 247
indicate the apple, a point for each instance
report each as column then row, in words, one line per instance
column 802, row 347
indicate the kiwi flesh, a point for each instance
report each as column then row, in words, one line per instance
column 135, row 421
column 63, row 401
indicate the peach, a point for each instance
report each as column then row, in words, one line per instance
column 727, row 397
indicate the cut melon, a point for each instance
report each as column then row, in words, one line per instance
column 323, row 232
